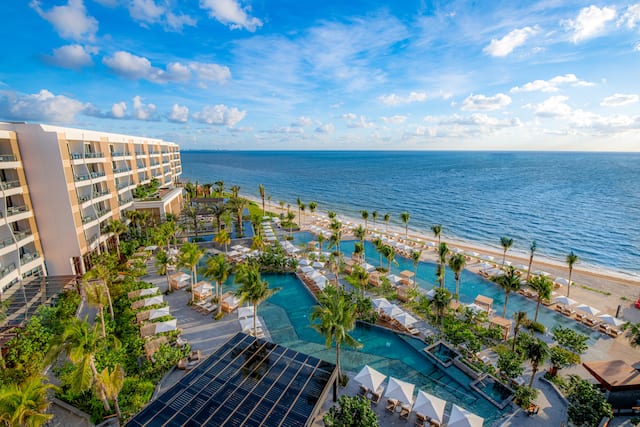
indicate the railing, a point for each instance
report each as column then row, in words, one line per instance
column 5, row 185
column 125, row 201
column 120, row 154
column 121, row 186
column 95, row 155
column 88, row 218
column 93, row 239
column 28, row 257
column 97, row 174
column 97, row 194
column 7, row 158
column 83, row 199
column 141, row 165
column 82, row 177
column 14, row 210
column 8, row 269
column 140, row 153
column 20, row 235
column 103, row 212
column 121, row 170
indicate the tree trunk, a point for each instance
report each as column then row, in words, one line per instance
column 515, row 336
column 193, row 281
column 117, row 405
column 569, row 284
column 506, row 299
column 255, row 322
column 529, row 269
column 533, row 374
column 457, row 289
column 109, row 299
column 338, row 361
column 104, row 332
column 102, row 394
column 535, row 318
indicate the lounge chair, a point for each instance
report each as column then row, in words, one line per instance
column 613, row 332
column 182, row 364
column 391, row 405
column 405, row 411
column 421, row 419
column 363, row 391
column 194, row 356
column 375, row 397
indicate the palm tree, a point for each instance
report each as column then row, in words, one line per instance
column 359, row 278
column 389, row 252
column 374, row 216
column 457, row 263
column 235, row 190
column 387, row 218
column 312, row 207
column 219, row 188
column 377, row 242
column 257, row 242
column 571, row 260
column 112, row 382
column 415, row 256
column 506, row 243
column 116, row 227
column 331, row 214
column 437, row 230
column 320, row 240
column 299, row 203
column 96, row 297
column 223, row 239
column 532, row 251
column 443, row 251
column 163, row 261
column 133, row 216
column 218, row 270
column 102, row 271
column 337, row 317
column 440, row 301
column 4, row 305
column 206, row 189
column 290, row 217
column 25, row 404
column 404, row 217
column 358, row 249
column 365, row 216
column 536, row 352
column 189, row 257
column 336, row 236
column 520, row 317
column 252, row 288
column 360, row 232
column 542, row 286
column 262, row 194
column 218, row 210
column 192, row 214
column 302, row 207
column 281, row 203
column 510, row 282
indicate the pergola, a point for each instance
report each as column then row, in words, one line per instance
column 484, row 302
column 621, row 380
column 504, row 324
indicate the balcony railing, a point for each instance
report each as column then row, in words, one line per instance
column 141, row 165
column 97, row 174
column 103, row 212
column 7, row 158
column 88, row 218
column 97, row 155
column 5, row 185
column 14, row 210
column 28, row 257
column 125, row 201
column 120, row 154
column 121, row 185
column 121, row 170
column 8, row 269
column 97, row 194
column 93, row 239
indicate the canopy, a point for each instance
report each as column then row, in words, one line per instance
column 153, row 300
column 588, row 309
column 151, row 248
column 379, row 303
column 431, row 294
column 429, row 405
column 247, row 324
column 148, row 291
column 159, row 312
column 232, row 300
column 370, row 378
column 303, row 262
column 405, row 319
column 406, row 274
column 566, row 300
column 400, row 390
column 307, row 269
column 475, row 308
column 180, row 277
column 463, row 418
column 561, row 281
column 609, row 319
column 392, row 310
column 245, row 312
column 168, row 326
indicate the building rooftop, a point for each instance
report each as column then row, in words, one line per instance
column 614, row 375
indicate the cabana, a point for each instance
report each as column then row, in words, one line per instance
column 150, row 347
column 620, row 380
column 230, row 303
column 504, row 324
column 405, row 277
column 179, row 280
column 143, row 292
column 152, row 314
column 148, row 302
column 484, row 302
column 202, row 290
column 158, row 328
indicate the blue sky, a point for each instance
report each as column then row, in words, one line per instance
column 284, row 74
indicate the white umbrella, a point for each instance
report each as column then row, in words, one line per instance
column 431, row 406
column 379, row 303
column 159, row 312
column 405, row 319
column 522, row 267
column 475, row 308
column 247, row 324
column 303, row 262
column 148, row 291
column 370, row 378
column 307, row 269
column 566, row 300
column 609, row 319
column 400, row 390
column 429, row 244
column 392, row 310
column 317, row 264
column 153, row 301
column 463, row 418
column 588, row 309
column 245, row 312
column 561, row 281
column 484, row 265
column 168, row 326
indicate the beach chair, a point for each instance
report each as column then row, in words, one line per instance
column 405, row 411
column 391, row 405
column 420, row 419
column 613, row 332
column 363, row 391
column 375, row 397
column 194, row 356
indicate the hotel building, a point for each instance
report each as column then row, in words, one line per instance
column 60, row 188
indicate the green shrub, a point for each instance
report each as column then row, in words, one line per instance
column 525, row 396
column 351, row 411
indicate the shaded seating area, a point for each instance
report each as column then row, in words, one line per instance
column 202, row 290
column 503, row 324
column 230, row 302
column 179, row 280
column 484, row 303
column 621, row 382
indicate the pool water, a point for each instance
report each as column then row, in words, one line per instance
column 494, row 389
column 443, row 353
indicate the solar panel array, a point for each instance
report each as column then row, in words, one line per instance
column 246, row 382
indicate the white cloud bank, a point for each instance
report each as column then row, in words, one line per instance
column 485, row 103
column 73, row 56
column 393, row 99
column 230, row 13
column 619, row 99
column 220, row 115
column 149, row 12
column 506, row 45
column 590, row 22
column 552, row 85
column 70, row 21
column 42, row 106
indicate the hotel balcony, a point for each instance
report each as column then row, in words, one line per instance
column 20, row 238
column 121, row 154
column 10, row 188
column 6, row 274
column 154, row 153
column 9, row 161
column 118, row 172
column 125, row 202
column 79, row 158
column 28, row 257
column 17, row 213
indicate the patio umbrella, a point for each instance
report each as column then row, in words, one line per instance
column 463, row 418
column 370, row 378
column 303, row 262
column 247, row 324
column 392, row 310
column 562, row 281
column 431, row 406
column 245, row 312
column 405, row 319
column 307, row 269
column 566, row 300
column 609, row 319
column 588, row 309
column 475, row 308
column 379, row 303
column 400, row 390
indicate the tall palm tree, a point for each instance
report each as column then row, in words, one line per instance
column 235, row 191
column 25, row 404
column 97, row 297
column 510, row 282
column 378, row 244
column 206, row 189
column 103, row 271
column 4, row 305
column 532, row 251
column 457, row 263
column 219, row 188
column 571, row 260
column 189, row 256
column 519, row 317
column 312, row 207
column 290, row 217
column 415, row 257
column 536, row 352
column 365, row 216
column 359, row 278
column 506, row 243
column 217, row 211
column 302, row 208
column 440, row 301
column 281, row 203
column 336, row 235
column 336, row 316
column 252, row 288
column 358, row 249
column 437, row 230
column 163, row 261
column 112, row 381
column 542, row 286
column 299, row 203
column 404, row 217
column 223, row 239
column 116, row 227
column 133, row 216
column 360, row 232
column 389, row 252
column 331, row 214
column 320, row 240
column 374, row 216
column 387, row 218
column 262, row 195
column 443, row 251
column 192, row 214
column 217, row 270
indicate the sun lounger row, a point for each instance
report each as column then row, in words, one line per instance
column 205, row 307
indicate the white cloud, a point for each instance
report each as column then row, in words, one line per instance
column 302, row 122
column 119, row 110
column 219, row 115
column 485, row 103
column 482, row 120
column 326, row 128
column 349, row 116
column 230, row 13
column 552, row 84
column 631, row 16
column 619, row 99
column 73, row 56
column 178, row 114
column 41, row 106
column 590, row 22
column 148, row 12
column 211, row 72
column 287, row 130
column 506, row 45
column 360, row 123
column 143, row 111
column 129, row 66
column 394, row 120
column 394, row 99
column 70, row 21
column 637, row 47
column 554, row 106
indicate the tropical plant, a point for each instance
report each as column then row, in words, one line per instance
column 206, row 189
column 358, row 278
column 351, row 411
column 536, row 352
column 378, row 244
column 302, row 208
column 192, row 215
column 111, row 381
column 404, row 217
column 331, row 215
column 587, row 405
column 387, row 218
column 374, row 216
column 415, row 257
column 219, row 188
column 25, row 404
column 437, row 231
column 116, row 227
column 532, row 251
column 320, row 241
column 218, row 210
column 290, row 217
column 633, row 334
column 519, row 317
column 457, row 263
column 262, row 195
column 235, row 191
column 335, row 317
column 509, row 282
column 218, row 270
column 571, row 260
column 389, row 252
column 561, row 358
column 336, row 235
column 104, row 269
column 4, row 305
column 223, row 239
column 441, row 270
column 252, row 288
column 440, row 301
column 509, row 364
column 97, row 297
column 163, row 262
column 525, row 396
column 506, row 243
column 189, row 256
column 365, row 216
column 360, row 232
column 543, row 286
column 312, row 207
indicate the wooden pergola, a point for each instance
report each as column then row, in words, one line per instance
column 504, row 324
column 484, row 302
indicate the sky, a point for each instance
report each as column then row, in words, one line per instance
column 329, row 75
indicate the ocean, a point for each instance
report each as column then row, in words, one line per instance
column 585, row 202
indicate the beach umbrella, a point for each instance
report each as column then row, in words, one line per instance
column 307, row 269
column 463, row 418
column 370, row 378
column 400, row 390
column 561, row 281
column 429, row 405
column 522, row 267
column 565, row 300
column 159, row 312
column 484, row 265
column 392, row 310
column 245, row 312
column 429, row 244
column 541, row 273
column 405, row 319
column 610, row 320
column 247, row 324
column 588, row 309
column 379, row 303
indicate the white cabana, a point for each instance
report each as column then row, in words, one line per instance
column 321, row 282
column 307, row 269
column 379, row 303
column 588, row 309
column 392, row 310
column 303, row 262
column 541, row 273
column 393, row 278
column 611, row 320
column 487, row 258
column 400, row 390
column 159, row 299
column 463, row 418
column 475, row 308
column 405, row 319
column 159, row 312
column 149, row 291
column 168, row 326
column 564, row 300
column 431, row 293
column 429, row 405
column 429, row 244
column 247, row 324
column 244, row 312
column 522, row 267
column 368, row 267
column 370, row 378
